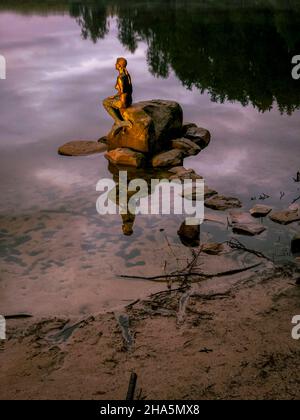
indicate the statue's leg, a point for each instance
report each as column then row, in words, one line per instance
column 118, row 106
column 114, row 109
column 108, row 104
column 126, row 123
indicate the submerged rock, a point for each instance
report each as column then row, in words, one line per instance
column 81, row 148
column 220, row 202
column 260, row 210
column 155, row 123
column 250, row 229
column 220, row 218
column 242, row 223
column 295, row 244
column 168, row 158
column 285, row 217
column 125, row 157
column 189, row 234
column 213, row 248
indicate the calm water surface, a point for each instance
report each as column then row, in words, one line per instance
column 229, row 69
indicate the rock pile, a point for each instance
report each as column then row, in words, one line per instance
column 158, row 138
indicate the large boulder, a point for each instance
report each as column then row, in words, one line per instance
column 155, row 123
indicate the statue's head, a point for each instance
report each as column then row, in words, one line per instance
column 121, row 63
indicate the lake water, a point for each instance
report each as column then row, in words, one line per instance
column 230, row 69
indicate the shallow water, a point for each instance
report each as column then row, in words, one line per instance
column 57, row 254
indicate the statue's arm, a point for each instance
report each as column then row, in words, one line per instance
column 122, row 94
column 118, row 89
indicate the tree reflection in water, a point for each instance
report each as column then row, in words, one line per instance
column 233, row 50
column 235, row 54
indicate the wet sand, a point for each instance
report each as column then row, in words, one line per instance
column 212, row 340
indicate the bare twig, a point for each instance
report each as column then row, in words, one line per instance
column 163, row 292
column 296, row 199
column 236, row 244
column 130, row 305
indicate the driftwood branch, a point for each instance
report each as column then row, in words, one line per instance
column 192, row 273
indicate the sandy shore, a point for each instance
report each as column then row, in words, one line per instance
column 186, row 344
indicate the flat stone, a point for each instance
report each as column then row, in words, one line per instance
column 260, row 210
column 81, row 148
column 243, row 223
column 155, row 123
column 125, row 157
column 295, row 207
column 250, row 229
column 193, row 176
column 179, row 170
column 240, row 217
column 199, row 135
column 187, row 146
column 220, row 218
column 170, row 158
column 220, row 202
column 285, row 217
column 209, row 192
column 181, row 173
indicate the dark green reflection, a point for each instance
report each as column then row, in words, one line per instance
column 231, row 50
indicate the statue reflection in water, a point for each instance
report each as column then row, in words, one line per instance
column 188, row 235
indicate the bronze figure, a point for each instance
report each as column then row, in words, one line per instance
column 115, row 105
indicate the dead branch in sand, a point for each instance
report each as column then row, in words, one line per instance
column 192, row 273
column 131, row 387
